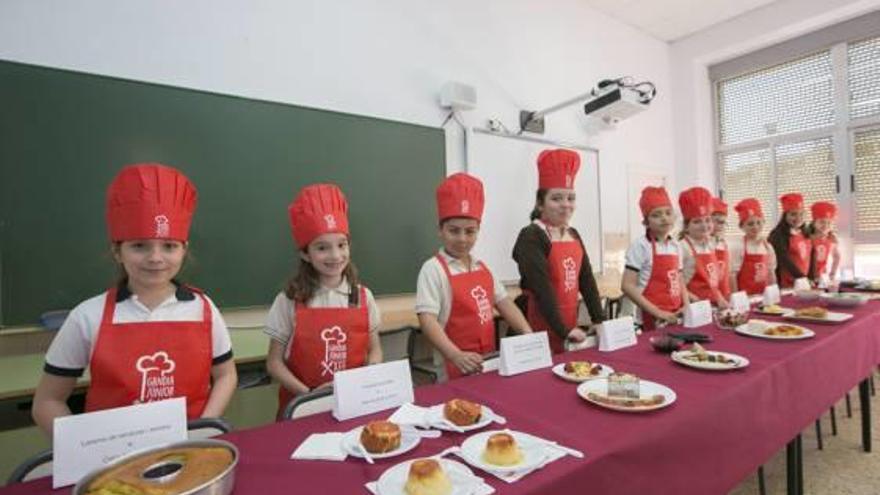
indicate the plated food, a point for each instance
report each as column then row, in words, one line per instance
column 811, row 312
column 845, row 299
column 502, row 450
column 427, row 477
column 171, row 470
column 807, row 295
column 462, row 412
column 379, row 437
column 729, row 319
column 579, row 371
column 623, row 385
column 698, row 357
column 775, row 331
column 773, row 309
column 651, row 396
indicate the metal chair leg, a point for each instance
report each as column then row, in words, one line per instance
column 819, row 433
column 762, row 484
column 865, row 400
column 848, row 406
column 833, row 420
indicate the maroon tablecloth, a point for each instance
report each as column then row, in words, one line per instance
column 721, row 428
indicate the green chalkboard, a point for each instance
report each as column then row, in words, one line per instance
column 64, row 135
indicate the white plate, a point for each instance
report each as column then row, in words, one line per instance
column 755, row 328
column 680, row 358
column 559, row 370
column 646, row 389
column 408, row 441
column 785, row 311
column 831, row 317
column 393, row 480
column 845, row 299
column 436, row 419
column 533, row 452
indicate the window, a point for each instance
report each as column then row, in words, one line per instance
column 788, row 127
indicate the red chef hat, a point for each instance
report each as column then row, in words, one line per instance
column 318, row 209
column 150, row 201
column 792, row 201
column 695, row 202
column 460, row 195
column 749, row 207
column 557, row 169
column 653, row 197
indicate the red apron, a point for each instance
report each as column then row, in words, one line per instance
column 326, row 340
column 663, row 288
column 704, row 282
column 149, row 361
column 471, row 324
column 564, row 268
column 755, row 270
column 822, row 249
column 799, row 254
column 722, row 262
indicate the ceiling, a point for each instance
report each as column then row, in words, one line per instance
column 670, row 20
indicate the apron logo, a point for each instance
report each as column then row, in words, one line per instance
column 157, row 380
column 330, row 220
column 335, row 350
column 674, row 287
column 163, row 226
column 465, row 206
column 712, row 269
column 484, row 307
column 570, row 281
column 821, row 252
column 760, row 272
column 802, row 249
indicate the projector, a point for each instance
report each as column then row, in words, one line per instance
column 614, row 103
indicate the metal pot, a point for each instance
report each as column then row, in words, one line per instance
column 160, row 473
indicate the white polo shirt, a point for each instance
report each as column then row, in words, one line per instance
column 281, row 321
column 434, row 292
column 71, row 349
column 639, row 256
column 759, row 246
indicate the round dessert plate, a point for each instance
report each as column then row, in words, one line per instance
column 681, row 357
column 464, row 482
column 438, row 421
column 559, row 370
column 408, row 441
column 647, row 389
column 533, row 453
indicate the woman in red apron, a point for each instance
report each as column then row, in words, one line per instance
column 700, row 266
column 824, row 243
column 755, row 263
column 652, row 279
column 722, row 254
column 145, row 358
column 790, row 241
column 459, row 287
column 553, row 263
column 326, row 315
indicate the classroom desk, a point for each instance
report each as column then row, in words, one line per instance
column 720, row 429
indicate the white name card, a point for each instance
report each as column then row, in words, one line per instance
column 616, row 334
column 802, row 283
column 369, row 389
column 697, row 314
column 85, row 442
column 772, row 295
column 523, row 353
column 739, row 301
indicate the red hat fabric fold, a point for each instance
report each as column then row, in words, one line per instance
column 695, row 202
column 747, row 208
column 460, row 195
column 318, row 209
column 653, row 197
column 558, row 168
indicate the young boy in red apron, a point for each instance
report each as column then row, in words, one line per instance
column 553, row 263
column 652, row 279
column 700, row 268
column 324, row 321
column 148, row 338
column 752, row 260
column 456, row 294
column 722, row 254
column 824, row 243
column 790, row 241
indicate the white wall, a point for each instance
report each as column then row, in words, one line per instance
column 690, row 57
column 382, row 58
